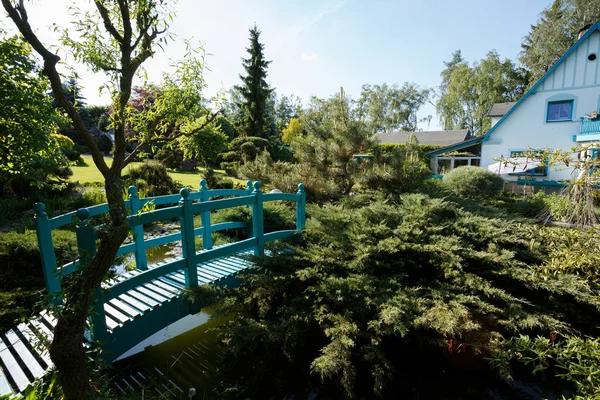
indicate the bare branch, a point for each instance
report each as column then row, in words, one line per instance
column 19, row 16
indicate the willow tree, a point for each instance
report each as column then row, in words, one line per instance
column 114, row 37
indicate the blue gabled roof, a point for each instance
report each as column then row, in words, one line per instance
column 533, row 89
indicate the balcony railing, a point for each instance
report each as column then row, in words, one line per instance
column 589, row 131
column 589, row 126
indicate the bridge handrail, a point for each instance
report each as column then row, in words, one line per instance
column 187, row 205
column 153, row 273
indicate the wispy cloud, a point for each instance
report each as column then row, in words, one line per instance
column 295, row 30
column 312, row 56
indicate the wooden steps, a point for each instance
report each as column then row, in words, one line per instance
column 24, row 349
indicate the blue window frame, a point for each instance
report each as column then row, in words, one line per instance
column 559, row 111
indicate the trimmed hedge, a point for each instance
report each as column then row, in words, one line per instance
column 389, row 148
column 474, row 182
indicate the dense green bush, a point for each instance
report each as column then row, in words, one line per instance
column 214, row 181
column 170, row 158
column 390, row 148
column 20, row 255
column 277, row 216
column 93, row 196
column 11, row 209
column 151, row 178
column 572, row 358
column 397, row 172
column 382, row 298
column 474, row 182
column 104, row 144
column 286, row 177
column 242, row 149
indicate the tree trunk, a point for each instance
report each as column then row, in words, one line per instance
column 66, row 350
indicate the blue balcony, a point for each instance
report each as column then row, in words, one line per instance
column 589, row 131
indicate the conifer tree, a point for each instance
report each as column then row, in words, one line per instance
column 254, row 90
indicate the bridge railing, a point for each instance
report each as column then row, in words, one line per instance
column 187, row 204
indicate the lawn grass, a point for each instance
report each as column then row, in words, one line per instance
column 88, row 172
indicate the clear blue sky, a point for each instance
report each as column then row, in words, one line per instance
column 318, row 46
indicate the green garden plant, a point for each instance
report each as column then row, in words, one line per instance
column 474, row 182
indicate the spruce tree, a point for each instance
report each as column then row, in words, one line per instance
column 254, row 90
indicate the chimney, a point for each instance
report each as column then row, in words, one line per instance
column 583, row 30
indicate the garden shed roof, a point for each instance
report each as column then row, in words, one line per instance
column 500, row 109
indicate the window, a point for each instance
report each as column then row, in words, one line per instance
column 560, row 111
column 540, row 170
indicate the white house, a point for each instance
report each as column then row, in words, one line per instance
column 550, row 115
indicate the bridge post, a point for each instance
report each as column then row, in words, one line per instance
column 46, row 245
column 258, row 221
column 141, row 262
column 99, row 330
column 301, row 208
column 86, row 246
column 187, row 238
column 86, row 239
column 207, row 242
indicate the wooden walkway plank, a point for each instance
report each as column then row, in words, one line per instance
column 16, row 376
column 38, row 344
column 23, row 350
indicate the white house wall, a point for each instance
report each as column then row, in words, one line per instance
column 526, row 127
column 576, row 71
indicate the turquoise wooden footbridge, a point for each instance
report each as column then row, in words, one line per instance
column 138, row 303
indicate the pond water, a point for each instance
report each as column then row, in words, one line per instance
column 153, row 255
column 186, row 361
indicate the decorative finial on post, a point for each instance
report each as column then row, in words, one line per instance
column 203, row 184
column 300, row 188
column 132, row 190
column 83, row 214
column 40, row 209
column 256, row 186
column 185, row 193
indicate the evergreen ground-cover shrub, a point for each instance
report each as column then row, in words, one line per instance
column 369, row 300
column 474, row 182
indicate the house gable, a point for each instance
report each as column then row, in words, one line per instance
column 573, row 68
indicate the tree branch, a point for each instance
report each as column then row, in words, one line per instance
column 19, row 16
column 107, row 22
column 170, row 138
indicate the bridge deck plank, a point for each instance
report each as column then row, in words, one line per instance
column 23, row 351
column 16, row 376
column 38, row 343
column 30, row 359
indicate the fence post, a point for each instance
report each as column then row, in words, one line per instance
column 187, row 238
column 141, row 262
column 86, row 239
column 46, row 245
column 207, row 243
column 301, row 208
column 258, row 223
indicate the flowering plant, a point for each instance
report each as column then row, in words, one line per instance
column 593, row 115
